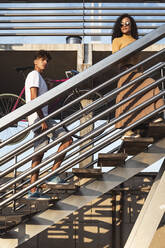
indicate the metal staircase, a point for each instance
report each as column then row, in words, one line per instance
column 35, row 217
column 88, row 192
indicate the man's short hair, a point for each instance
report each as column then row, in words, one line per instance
column 42, row 54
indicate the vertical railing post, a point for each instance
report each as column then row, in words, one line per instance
column 162, row 72
column 15, row 185
column 84, row 61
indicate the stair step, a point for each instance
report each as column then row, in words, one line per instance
column 133, row 146
column 156, row 130
column 34, row 205
column 87, row 172
column 9, row 221
column 11, row 218
column 62, row 186
column 93, row 191
column 112, row 159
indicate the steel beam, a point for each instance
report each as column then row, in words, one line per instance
column 87, row 1
column 75, row 14
column 73, row 21
column 82, row 8
column 145, row 226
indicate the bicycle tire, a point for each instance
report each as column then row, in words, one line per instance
column 76, row 107
column 7, row 102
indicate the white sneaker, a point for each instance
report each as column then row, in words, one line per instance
column 55, row 180
column 37, row 196
column 130, row 134
column 160, row 119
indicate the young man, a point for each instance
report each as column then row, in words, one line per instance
column 35, row 86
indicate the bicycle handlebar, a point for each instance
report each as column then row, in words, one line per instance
column 68, row 74
column 71, row 73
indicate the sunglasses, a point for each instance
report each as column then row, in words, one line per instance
column 125, row 24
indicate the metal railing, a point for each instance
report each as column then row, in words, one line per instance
column 81, row 19
column 100, row 137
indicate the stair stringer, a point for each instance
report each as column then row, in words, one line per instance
column 87, row 193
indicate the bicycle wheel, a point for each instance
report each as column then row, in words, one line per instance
column 7, row 102
column 80, row 105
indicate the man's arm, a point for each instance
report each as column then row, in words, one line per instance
column 34, row 94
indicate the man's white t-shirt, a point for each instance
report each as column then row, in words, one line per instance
column 34, row 79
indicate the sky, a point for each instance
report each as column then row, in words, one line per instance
column 104, row 39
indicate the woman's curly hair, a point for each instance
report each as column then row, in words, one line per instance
column 117, row 27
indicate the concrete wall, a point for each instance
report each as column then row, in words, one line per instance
column 65, row 57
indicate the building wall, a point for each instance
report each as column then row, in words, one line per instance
column 65, row 57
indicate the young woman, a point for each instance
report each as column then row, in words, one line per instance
column 124, row 33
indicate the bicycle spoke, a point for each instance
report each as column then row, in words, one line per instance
column 7, row 102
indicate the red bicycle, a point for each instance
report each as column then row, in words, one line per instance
column 9, row 102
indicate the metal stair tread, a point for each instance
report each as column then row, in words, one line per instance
column 156, row 130
column 87, row 172
column 133, row 146
column 61, row 186
column 111, row 159
column 139, row 141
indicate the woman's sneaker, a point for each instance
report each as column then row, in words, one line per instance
column 37, row 196
column 158, row 120
column 130, row 134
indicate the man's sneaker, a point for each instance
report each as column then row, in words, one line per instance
column 55, row 180
column 37, row 196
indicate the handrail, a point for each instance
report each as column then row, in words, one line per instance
column 86, row 95
column 28, row 158
column 73, row 158
column 68, row 156
column 80, row 158
column 87, row 109
column 79, row 78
